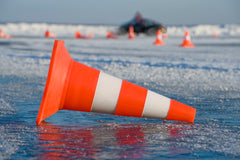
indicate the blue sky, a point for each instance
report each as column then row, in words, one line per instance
column 118, row 11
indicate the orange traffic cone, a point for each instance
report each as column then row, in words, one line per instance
column 77, row 34
column 158, row 40
column 91, row 35
column 215, row 35
column 131, row 32
column 3, row 35
column 187, row 41
column 165, row 35
column 74, row 86
column 6, row 36
column 48, row 34
column 111, row 35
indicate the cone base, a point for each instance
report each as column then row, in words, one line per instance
column 130, row 37
column 187, row 46
column 55, row 88
column 160, row 43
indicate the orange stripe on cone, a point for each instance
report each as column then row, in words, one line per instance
column 81, row 89
column 131, row 100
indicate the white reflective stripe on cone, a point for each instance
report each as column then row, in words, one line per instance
column 106, row 94
column 188, row 38
column 156, row 106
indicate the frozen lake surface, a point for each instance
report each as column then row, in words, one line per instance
column 206, row 77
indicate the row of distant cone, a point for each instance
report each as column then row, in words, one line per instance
column 186, row 41
column 79, row 35
column 131, row 35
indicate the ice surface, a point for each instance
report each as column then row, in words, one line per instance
column 5, row 108
column 205, row 77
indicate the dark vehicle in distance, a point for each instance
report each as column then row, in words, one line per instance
column 142, row 25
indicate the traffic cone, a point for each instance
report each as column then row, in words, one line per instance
column 77, row 34
column 74, row 86
column 131, row 32
column 91, row 35
column 158, row 40
column 165, row 35
column 48, row 34
column 111, row 35
column 215, row 35
column 187, row 40
column 3, row 35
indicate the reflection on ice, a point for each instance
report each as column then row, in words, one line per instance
column 110, row 141
column 117, row 141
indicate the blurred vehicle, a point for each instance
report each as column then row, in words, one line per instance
column 142, row 25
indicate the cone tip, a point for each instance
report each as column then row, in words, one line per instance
column 181, row 112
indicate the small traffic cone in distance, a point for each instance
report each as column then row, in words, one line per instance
column 187, row 41
column 91, row 35
column 158, row 40
column 131, row 32
column 111, row 35
column 215, row 35
column 74, row 86
column 77, row 34
column 81, row 36
column 3, row 35
column 165, row 35
column 108, row 34
column 6, row 36
column 48, row 34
